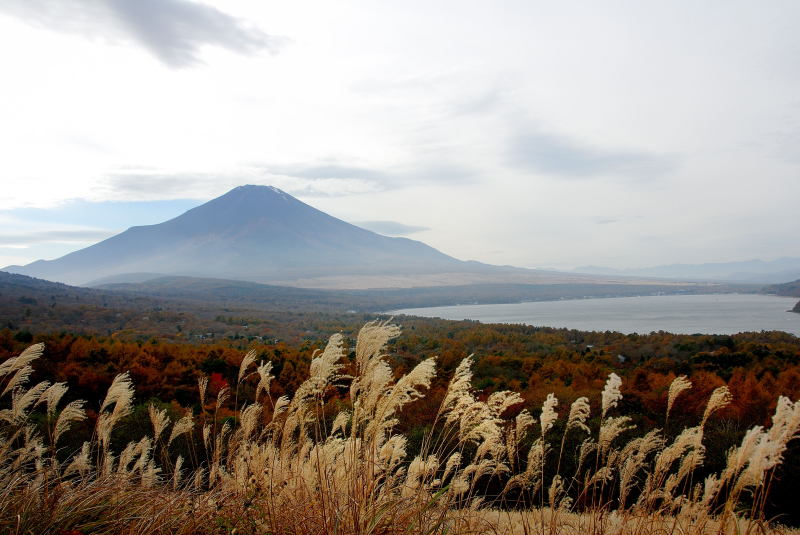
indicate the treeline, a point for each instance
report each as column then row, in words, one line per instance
column 532, row 360
column 186, row 308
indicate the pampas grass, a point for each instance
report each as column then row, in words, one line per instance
column 679, row 384
column 289, row 466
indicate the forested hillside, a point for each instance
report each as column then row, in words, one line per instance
column 790, row 289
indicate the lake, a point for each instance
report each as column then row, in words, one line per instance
column 685, row 314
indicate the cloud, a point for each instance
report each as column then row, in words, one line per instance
column 326, row 177
column 53, row 236
column 390, row 228
column 558, row 155
column 173, row 31
column 145, row 185
column 325, row 171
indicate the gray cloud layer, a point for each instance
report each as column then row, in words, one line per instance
column 557, row 155
column 323, row 171
column 324, row 178
column 172, row 30
column 390, row 228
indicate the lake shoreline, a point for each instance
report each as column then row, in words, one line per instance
column 714, row 313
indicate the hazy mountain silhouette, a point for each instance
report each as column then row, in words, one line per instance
column 780, row 270
column 256, row 233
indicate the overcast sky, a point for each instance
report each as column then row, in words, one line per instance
column 537, row 134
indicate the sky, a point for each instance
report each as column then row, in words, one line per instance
column 529, row 133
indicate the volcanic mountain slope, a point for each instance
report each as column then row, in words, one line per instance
column 256, row 233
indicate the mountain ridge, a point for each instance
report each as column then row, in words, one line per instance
column 773, row 271
column 256, row 233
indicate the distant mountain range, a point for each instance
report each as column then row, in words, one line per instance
column 255, row 233
column 40, row 305
column 750, row 271
column 262, row 234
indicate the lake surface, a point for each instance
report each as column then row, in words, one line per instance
column 685, row 314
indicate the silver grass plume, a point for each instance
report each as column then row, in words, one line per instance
column 634, row 457
column 532, row 476
column 207, row 435
column 556, row 493
column 281, row 405
column 324, row 371
column 80, row 463
column 120, row 394
column 693, row 458
column 202, row 387
column 498, row 402
column 587, row 447
column 721, row 397
column 522, row 422
column 452, row 464
column 72, row 412
column 158, row 419
column 393, row 452
column 459, row 387
column 15, row 364
column 222, row 396
column 678, row 385
column 491, row 443
column 20, row 378
column 149, row 475
column 711, row 487
column 248, row 359
column 176, row 472
column 421, row 470
column 738, row 457
column 578, row 414
column 517, row 433
column 52, row 396
column 404, row 391
column 127, row 456
column 536, row 457
column 181, row 427
column 143, row 449
column 785, row 421
column 199, row 477
column 372, row 339
column 374, row 375
column 340, row 422
column 265, row 377
column 690, row 438
column 108, row 462
column 611, row 429
column 249, row 420
column 604, row 474
column 21, row 399
column 611, row 394
column 549, row 415
column 768, row 450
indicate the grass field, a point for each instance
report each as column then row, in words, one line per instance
column 295, row 466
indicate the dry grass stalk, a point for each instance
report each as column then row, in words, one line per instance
column 289, row 472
